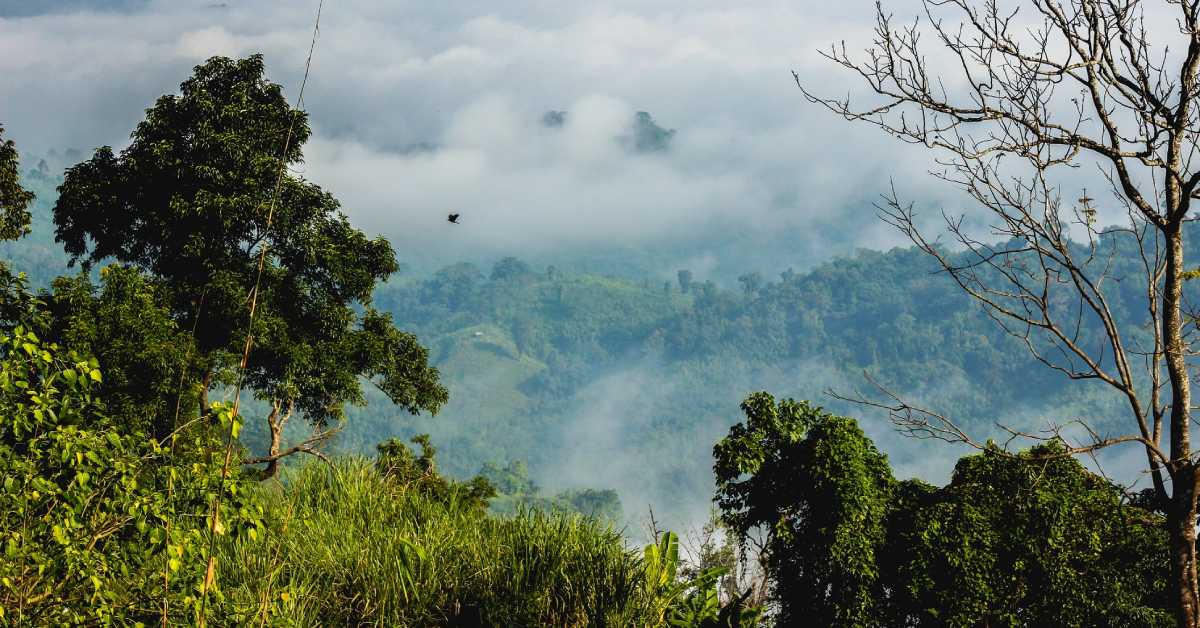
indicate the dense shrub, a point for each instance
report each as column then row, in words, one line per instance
column 98, row 524
column 348, row 545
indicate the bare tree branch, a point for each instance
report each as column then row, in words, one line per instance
column 1023, row 95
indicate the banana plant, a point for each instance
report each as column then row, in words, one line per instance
column 702, row 602
column 693, row 603
column 702, row 608
column 661, row 561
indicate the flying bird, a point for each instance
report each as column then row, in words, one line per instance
column 453, row 218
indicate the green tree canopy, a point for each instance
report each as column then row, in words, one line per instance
column 399, row 464
column 1014, row 540
column 126, row 323
column 819, row 487
column 509, row 268
column 14, row 199
column 1031, row 539
column 190, row 202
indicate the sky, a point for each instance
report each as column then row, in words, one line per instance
column 472, row 80
column 421, row 109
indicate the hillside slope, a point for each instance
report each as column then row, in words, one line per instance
column 609, row 382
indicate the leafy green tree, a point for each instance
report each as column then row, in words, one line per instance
column 1033, row 539
column 454, row 286
column 1069, row 84
column 515, row 492
column 751, row 283
column 820, row 489
column 511, row 479
column 714, row 545
column 192, row 202
column 18, row 306
column 691, row 600
column 602, row 504
column 14, row 199
column 527, row 336
column 510, row 268
column 1014, row 540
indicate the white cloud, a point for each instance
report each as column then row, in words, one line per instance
column 474, row 79
column 206, row 42
column 750, row 155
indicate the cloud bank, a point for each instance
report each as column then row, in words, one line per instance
column 473, row 81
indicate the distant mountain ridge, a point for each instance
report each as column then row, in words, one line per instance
column 613, row 382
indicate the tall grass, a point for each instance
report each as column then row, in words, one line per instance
column 348, row 546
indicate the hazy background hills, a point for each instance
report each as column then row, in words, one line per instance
column 623, row 376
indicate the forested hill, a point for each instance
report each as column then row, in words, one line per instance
column 608, row 382
column 626, row 383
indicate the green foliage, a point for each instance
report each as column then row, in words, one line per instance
column 511, row 479
column 36, row 253
column 526, row 357
column 1031, row 539
column 90, row 534
column 702, row 607
column 191, row 201
column 516, row 492
column 350, row 546
column 549, row 336
column 751, row 284
column 14, row 199
column 18, row 305
column 821, row 489
column 694, row 601
column 114, row 490
column 685, row 280
column 602, row 504
column 419, row 474
column 102, row 517
column 125, row 322
column 661, row 564
column 662, row 561
column 1026, row 540
column 510, row 268
column 717, row 549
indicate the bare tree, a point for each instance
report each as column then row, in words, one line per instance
column 1030, row 90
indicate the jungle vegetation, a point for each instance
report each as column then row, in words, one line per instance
column 140, row 487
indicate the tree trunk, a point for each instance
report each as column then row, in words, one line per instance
column 1182, row 524
column 275, row 422
column 1181, row 516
